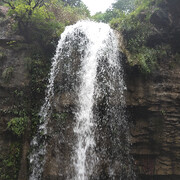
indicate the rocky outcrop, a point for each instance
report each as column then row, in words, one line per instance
column 22, row 87
column 154, row 102
column 13, row 81
column 154, row 105
column 166, row 25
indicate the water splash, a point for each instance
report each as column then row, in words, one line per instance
column 39, row 143
column 100, row 128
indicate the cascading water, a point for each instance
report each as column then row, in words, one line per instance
column 88, row 66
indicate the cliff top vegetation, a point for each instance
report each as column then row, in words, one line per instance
column 145, row 26
column 43, row 20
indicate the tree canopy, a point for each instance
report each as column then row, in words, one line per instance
column 124, row 5
column 73, row 3
column 41, row 19
column 117, row 10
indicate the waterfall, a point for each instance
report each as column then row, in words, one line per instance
column 87, row 71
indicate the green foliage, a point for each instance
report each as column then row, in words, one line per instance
column 11, row 43
column 124, row 5
column 60, row 116
column 147, row 57
column 7, row 74
column 2, row 55
column 132, row 18
column 118, row 10
column 163, row 112
column 30, row 18
column 38, row 65
column 107, row 16
column 137, row 19
column 136, row 29
column 18, row 125
column 177, row 57
column 73, row 3
column 67, row 14
column 10, row 162
column 43, row 21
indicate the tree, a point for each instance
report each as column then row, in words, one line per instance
column 67, row 14
column 36, row 3
column 107, row 16
column 73, row 3
column 30, row 16
column 118, row 10
column 44, row 20
column 124, row 5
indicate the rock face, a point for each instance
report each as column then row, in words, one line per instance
column 13, row 80
column 166, row 25
column 154, row 105
column 20, row 81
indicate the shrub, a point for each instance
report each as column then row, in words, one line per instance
column 18, row 125
column 2, row 55
column 7, row 74
column 137, row 29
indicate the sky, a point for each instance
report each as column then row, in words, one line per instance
column 98, row 5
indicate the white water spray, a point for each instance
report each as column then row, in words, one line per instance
column 99, row 45
column 99, row 76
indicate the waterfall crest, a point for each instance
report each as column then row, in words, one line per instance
column 86, row 81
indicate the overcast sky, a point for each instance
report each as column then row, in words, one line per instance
column 98, row 5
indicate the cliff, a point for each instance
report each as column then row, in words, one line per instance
column 153, row 101
column 13, row 82
column 23, row 77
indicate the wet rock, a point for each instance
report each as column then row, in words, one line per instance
column 13, row 77
column 161, row 19
column 153, row 102
column 166, row 25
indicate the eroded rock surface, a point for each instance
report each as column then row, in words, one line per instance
column 154, row 104
column 166, row 22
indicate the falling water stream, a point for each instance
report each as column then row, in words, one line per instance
column 99, row 114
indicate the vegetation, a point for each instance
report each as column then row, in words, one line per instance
column 18, row 125
column 132, row 19
column 41, row 21
column 2, row 55
column 118, row 9
column 7, row 74
column 125, row 6
column 23, row 113
column 73, row 3
column 10, row 162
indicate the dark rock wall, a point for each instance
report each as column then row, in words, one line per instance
column 154, row 102
column 154, row 105
column 14, row 80
column 23, row 77
column 166, row 23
